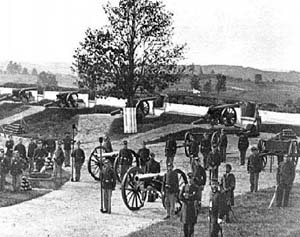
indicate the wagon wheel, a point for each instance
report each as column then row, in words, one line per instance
column 228, row 116
column 117, row 168
column 187, row 143
column 215, row 138
column 294, row 151
column 133, row 192
column 144, row 107
column 95, row 163
column 264, row 160
column 182, row 179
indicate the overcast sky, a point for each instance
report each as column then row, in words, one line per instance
column 258, row 33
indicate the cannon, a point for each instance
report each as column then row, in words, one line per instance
column 21, row 95
column 67, row 100
column 135, row 186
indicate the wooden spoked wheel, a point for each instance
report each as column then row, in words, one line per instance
column 95, row 163
column 144, row 107
column 187, row 143
column 215, row 138
column 133, row 192
column 294, row 151
column 228, row 116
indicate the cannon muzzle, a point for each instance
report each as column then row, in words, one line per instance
column 148, row 177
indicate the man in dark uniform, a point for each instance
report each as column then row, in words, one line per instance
column 199, row 178
column 243, row 145
column 39, row 156
column 108, row 184
column 152, row 165
column 67, row 148
column 171, row 189
column 21, row 149
column 4, row 168
column 59, row 158
column 188, row 195
column 9, row 144
column 50, row 145
column 126, row 158
column 223, row 145
column 205, row 149
column 16, row 171
column 30, row 151
column 143, row 153
column 254, row 167
column 194, row 147
column 213, row 162
column 285, row 177
column 170, row 149
column 227, row 187
column 79, row 157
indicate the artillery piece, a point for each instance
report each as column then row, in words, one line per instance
column 21, row 95
column 67, row 100
column 136, row 184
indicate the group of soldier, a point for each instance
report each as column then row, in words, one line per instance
column 16, row 159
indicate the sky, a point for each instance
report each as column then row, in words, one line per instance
column 263, row 34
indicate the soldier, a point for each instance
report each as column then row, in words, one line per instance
column 170, row 149
column 223, row 145
column 152, row 165
column 50, row 145
column 4, row 168
column 213, row 162
column 254, row 167
column 59, row 158
column 30, row 152
column 227, row 187
column 107, row 144
column 126, row 158
column 67, row 148
column 21, row 149
column 188, row 195
column 39, row 156
column 144, row 154
column 194, row 147
column 199, row 178
column 79, row 157
column 285, row 177
column 9, row 144
column 205, row 149
column 16, row 171
column 171, row 188
column 108, row 184
column 243, row 145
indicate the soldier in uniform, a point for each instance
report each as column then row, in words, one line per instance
column 21, row 149
column 79, row 157
column 50, row 145
column 4, row 168
column 194, row 148
column 67, row 148
column 243, row 145
column 170, row 149
column 144, row 154
column 227, row 187
column 152, row 165
column 16, row 171
column 285, row 177
column 171, row 189
column 213, row 162
column 188, row 195
column 199, row 178
column 39, row 156
column 30, row 151
column 59, row 158
column 126, row 158
column 108, row 180
column 205, row 149
column 254, row 167
column 9, row 144
column 223, row 145
column 107, row 144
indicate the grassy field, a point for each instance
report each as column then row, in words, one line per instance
column 9, row 109
column 254, row 219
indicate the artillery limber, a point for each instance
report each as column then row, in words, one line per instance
column 67, row 100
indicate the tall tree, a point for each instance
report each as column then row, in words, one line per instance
column 134, row 51
column 34, row 71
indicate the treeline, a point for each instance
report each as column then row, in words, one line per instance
column 17, row 68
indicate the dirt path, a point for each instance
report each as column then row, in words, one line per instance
column 74, row 209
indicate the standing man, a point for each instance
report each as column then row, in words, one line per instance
column 205, row 149
column 4, row 168
column 227, row 187
column 152, row 165
column 79, row 157
column 213, row 162
column 30, row 152
column 67, row 148
column 39, row 156
column 108, row 180
column 50, row 143
column 285, row 177
column 223, row 145
column 170, row 149
column 199, row 177
column 59, row 158
column 16, row 171
column 243, row 145
column 9, row 144
column 144, row 154
column 21, row 149
column 107, row 144
column 188, row 217
column 171, row 189
column 254, row 167
column 126, row 158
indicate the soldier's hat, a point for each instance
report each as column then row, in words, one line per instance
column 229, row 166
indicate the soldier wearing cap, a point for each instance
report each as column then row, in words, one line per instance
column 126, row 158
column 16, row 171
column 243, row 145
column 199, row 178
column 171, row 189
column 79, row 157
column 50, row 145
column 213, row 162
column 188, row 195
column 9, row 144
column 4, row 168
column 205, row 148
column 30, row 152
column 107, row 144
column 59, row 158
column 170, row 149
column 194, row 148
column 39, row 156
column 108, row 180
column 144, row 154
column 223, row 145
column 21, row 148
column 67, row 141
column 152, row 165
column 254, row 167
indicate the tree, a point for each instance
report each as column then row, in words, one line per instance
column 25, row 71
column 195, row 83
column 34, row 72
column 46, row 80
column 200, row 70
column 212, row 71
column 13, row 68
column 221, row 83
column 258, row 79
column 133, row 52
column 207, row 86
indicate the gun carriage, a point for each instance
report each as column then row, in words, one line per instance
column 67, row 100
column 20, row 95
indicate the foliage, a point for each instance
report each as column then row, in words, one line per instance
column 34, row 72
column 46, row 79
column 195, row 82
column 258, row 79
column 25, row 71
column 221, row 83
column 13, row 68
column 207, row 86
column 133, row 52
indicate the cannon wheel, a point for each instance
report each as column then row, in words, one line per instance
column 182, row 179
column 117, row 168
column 187, row 141
column 215, row 138
column 264, row 160
column 133, row 194
column 228, row 116
column 94, row 165
column 294, row 151
column 144, row 107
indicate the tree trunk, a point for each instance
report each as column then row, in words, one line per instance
column 129, row 120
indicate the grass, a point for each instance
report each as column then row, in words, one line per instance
column 254, row 219
column 9, row 109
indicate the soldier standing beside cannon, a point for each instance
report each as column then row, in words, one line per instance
column 21, row 149
column 144, row 154
column 205, row 149
column 79, row 157
column 39, row 156
column 59, row 158
column 16, row 171
column 243, row 145
column 152, row 166
column 30, row 152
column 223, row 145
column 170, row 149
column 213, row 162
column 126, row 158
column 199, row 176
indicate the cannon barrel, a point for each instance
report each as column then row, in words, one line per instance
column 148, row 177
